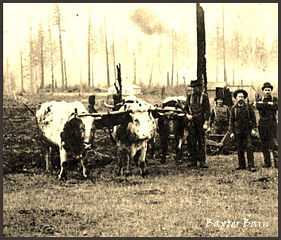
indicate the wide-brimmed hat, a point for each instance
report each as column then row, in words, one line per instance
column 267, row 85
column 195, row 83
column 240, row 91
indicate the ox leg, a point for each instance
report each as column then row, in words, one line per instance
column 84, row 170
column 142, row 160
column 63, row 159
column 179, row 151
column 129, row 157
column 119, row 161
column 48, row 159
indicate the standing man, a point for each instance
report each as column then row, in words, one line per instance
column 268, row 107
column 197, row 108
column 242, row 126
column 219, row 118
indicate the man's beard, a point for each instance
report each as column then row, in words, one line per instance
column 241, row 102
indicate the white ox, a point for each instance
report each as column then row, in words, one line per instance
column 133, row 134
column 63, row 128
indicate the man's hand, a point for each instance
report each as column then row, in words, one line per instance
column 254, row 133
column 205, row 126
column 232, row 135
column 188, row 116
column 270, row 103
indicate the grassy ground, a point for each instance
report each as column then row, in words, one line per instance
column 171, row 201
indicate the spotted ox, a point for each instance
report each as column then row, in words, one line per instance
column 132, row 135
column 172, row 125
column 62, row 128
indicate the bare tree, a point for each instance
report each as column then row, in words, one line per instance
column 224, row 64
column 89, row 50
column 113, row 55
column 173, row 56
column 41, row 44
column 150, row 77
column 31, row 60
column 65, row 75
column 21, row 72
column 51, row 52
column 59, row 25
column 106, row 55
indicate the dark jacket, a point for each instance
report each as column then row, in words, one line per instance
column 267, row 108
column 198, row 106
column 242, row 119
column 219, row 115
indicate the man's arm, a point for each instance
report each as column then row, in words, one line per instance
column 206, row 107
column 231, row 120
column 252, row 117
column 212, row 117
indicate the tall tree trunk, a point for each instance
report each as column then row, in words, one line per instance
column 217, row 56
column 51, row 56
column 89, row 52
column 58, row 15
column 65, row 75
column 21, row 72
column 150, row 77
column 135, row 69
column 31, row 61
column 113, row 55
column 42, row 59
column 168, row 81
column 224, row 66
column 106, row 53
column 93, row 85
column 177, row 78
column 173, row 59
column 201, row 47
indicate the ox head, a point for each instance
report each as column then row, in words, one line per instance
column 78, row 134
column 135, row 120
column 140, row 126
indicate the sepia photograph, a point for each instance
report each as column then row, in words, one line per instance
column 140, row 119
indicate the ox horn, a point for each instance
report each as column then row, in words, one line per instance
column 108, row 105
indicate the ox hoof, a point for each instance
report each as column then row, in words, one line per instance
column 163, row 160
column 127, row 173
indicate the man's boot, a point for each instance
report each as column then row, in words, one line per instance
column 241, row 161
column 275, row 158
column 251, row 161
column 267, row 160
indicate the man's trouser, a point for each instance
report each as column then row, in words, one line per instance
column 197, row 143
column 244, row 144
column 268, row 135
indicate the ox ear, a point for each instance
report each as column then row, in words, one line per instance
column 112, row 119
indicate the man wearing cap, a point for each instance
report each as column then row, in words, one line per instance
column 268, row 107
column 219, row 117
column 242, row 126
column 197, row 108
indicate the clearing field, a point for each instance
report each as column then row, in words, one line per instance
column 173, row 200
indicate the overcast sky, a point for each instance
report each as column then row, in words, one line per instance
column 251, row 20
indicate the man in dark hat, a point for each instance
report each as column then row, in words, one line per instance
column 242, row 125
column 268, row 107
column 219, row 118
column 197, row 109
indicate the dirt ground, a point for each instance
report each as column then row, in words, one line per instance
column 173, row 200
